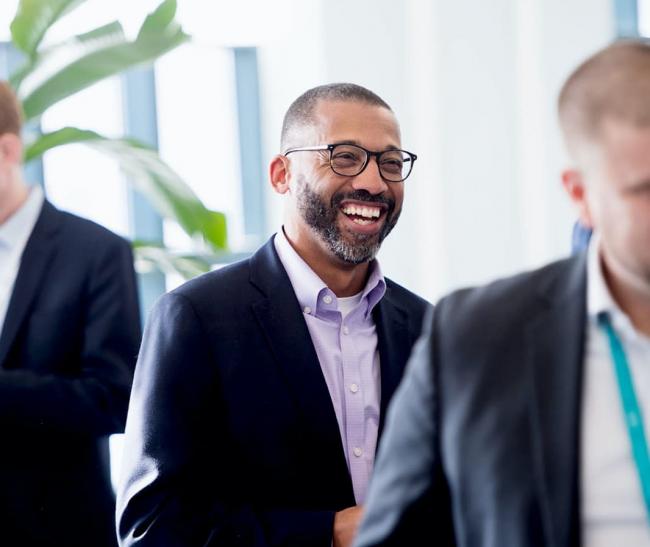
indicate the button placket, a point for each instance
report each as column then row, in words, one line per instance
column 353, row 400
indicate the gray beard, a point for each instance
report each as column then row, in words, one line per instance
column 321, row 218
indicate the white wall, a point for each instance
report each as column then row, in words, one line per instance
column 474, row 84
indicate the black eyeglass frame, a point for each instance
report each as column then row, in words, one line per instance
column 369, row 154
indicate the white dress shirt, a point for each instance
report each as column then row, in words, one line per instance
column 344, row 336
column 613, row 511
column 14, row 233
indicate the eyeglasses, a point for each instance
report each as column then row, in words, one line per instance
column 349, row 160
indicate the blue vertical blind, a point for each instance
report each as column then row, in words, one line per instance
column 139, row 100
column 626, row 14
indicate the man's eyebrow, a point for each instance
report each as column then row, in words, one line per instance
column 638, row 186
column 357, row 143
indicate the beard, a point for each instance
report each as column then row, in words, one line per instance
column 321, row 217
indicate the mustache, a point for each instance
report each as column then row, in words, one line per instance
column 365, row 196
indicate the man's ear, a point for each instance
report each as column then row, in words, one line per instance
column 574, row 184
column 279, row 174
column 11, row 149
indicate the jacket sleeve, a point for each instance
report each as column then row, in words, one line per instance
column 408, row 500
column 93, row 400
column 180, row 474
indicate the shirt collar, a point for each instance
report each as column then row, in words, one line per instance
column 15, row 231
column 599, row 297
column 313, row 295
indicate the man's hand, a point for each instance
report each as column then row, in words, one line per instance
column 346, row 523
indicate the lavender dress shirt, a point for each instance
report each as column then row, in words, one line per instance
column 345, row 339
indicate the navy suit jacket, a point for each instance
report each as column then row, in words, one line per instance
column 232, row 438
column 482, row 442
column 67, row 351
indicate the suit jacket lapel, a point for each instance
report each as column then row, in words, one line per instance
column 281, row 319
column 394, row 344
column 33, row 265
column 555, row 342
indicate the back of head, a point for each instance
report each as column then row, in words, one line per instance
column 10, row 112
column 612, row 84
column 301, row 111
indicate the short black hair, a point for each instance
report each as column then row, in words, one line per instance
column 301, row 111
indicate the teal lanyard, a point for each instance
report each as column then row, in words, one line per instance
column 633, row 417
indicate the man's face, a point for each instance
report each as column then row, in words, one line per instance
column 7, row 166
column 346, row 218
column 617, row 196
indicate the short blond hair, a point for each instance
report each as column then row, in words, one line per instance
column 11, row 118
column 614, row 83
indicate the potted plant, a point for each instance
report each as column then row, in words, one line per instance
column 42, row 80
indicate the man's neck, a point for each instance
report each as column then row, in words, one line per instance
column 630, row 295
column 343, row 279
column 15, row 198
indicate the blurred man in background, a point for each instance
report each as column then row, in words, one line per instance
column 524, row 418
column 69, row 336
column 261, row 388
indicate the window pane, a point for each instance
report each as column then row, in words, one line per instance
column 198, row 135
column 81, row 180
column 644, row 17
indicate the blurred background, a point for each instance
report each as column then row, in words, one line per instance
column 473, row 83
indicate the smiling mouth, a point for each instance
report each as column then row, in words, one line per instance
column 363, row 215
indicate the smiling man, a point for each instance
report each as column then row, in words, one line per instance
column 261, row 388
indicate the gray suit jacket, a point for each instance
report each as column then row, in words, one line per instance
column 481, row 442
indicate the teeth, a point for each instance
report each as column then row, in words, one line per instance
column 362, row 221
column 366, row 212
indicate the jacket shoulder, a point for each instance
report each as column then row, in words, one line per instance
column 507, row 301
column 405, row 298
column 87, row 233
column 225, row 292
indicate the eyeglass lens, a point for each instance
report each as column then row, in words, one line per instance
column 349, row 160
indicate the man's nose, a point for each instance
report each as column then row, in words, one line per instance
column 370, row 179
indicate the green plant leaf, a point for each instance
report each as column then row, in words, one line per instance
column 162, row 17
column 162, row 186
column 113, row 29
column 162, row 35
column 34, row 18
column 76, row 47
column 47, row 141
column 16, row 78
column 151, row 255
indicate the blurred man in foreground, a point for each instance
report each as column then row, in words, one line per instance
column 524, row 418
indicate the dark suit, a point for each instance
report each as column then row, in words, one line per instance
column 67, row 352
column 232, row 438
column 482, row 440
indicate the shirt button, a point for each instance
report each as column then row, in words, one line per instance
column 327, row 299
column 346, row 330
column 307, row 309
column 354, row 388
column 357, row 452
